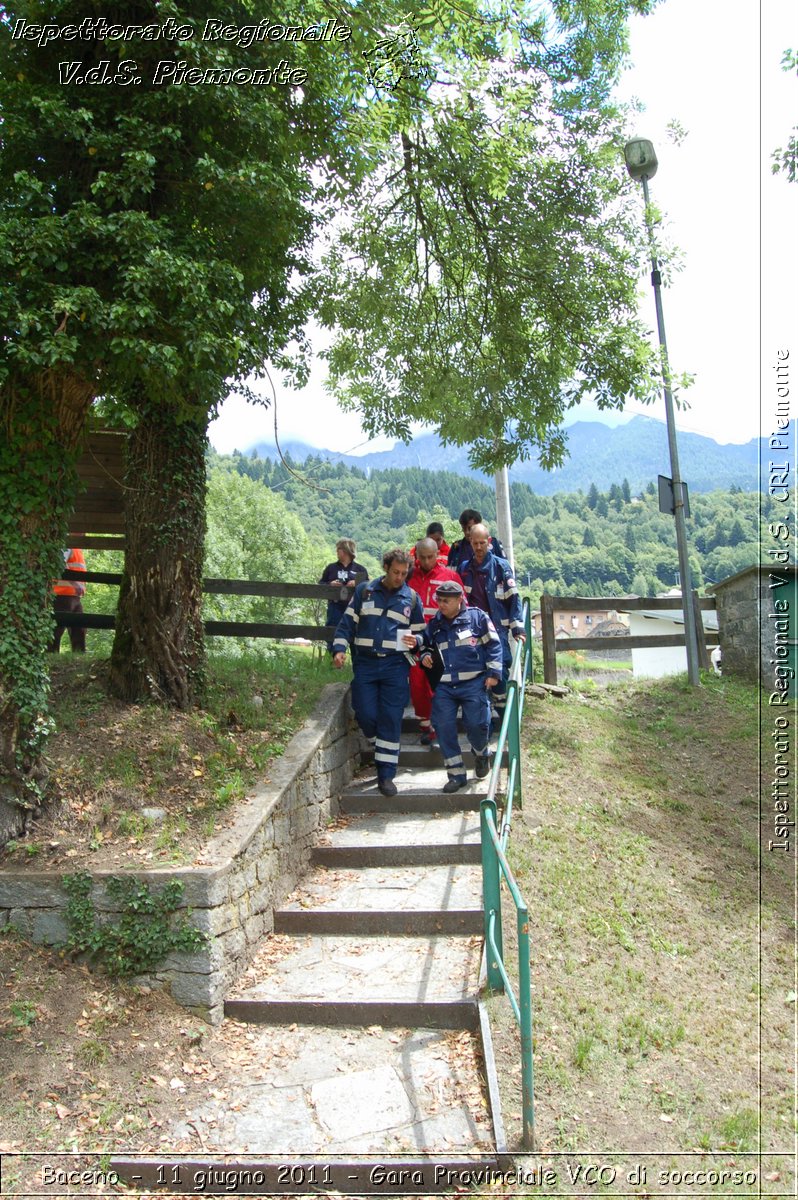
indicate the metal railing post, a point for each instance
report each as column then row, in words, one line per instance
column 525, row 1006
column 514, row 737
column 491, row 893
column 495, row 865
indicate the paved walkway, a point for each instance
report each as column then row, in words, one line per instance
column 363, row 1001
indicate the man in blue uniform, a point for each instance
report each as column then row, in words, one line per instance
column 382, row 623
column 471, row 659
column 460, row 552
column 489, row 584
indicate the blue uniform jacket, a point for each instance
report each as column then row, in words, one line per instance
column 461, row 552
column 504, row 603
column 374, row 617
column 468, row 644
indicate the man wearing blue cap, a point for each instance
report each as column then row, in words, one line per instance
column 470, row 653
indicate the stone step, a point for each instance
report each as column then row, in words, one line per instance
column 411, row 1014
column 402, row 829
column 438, row 854
column 400, row 839
column 418, row 790
column 421, row 801
column 376, row 921
column 341, row 1093
column 426, row 757
column 412, row 725
column 396, row 888
column 372, row 970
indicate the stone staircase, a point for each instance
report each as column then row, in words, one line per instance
column 365, row 1002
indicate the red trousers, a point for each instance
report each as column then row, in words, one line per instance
column 420, row 694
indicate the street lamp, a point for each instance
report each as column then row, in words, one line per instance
column 641, row 163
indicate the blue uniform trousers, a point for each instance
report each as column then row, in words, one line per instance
column 380, row 692
column 335, row 610
column 474, row 698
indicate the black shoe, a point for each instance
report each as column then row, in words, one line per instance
column 483, row 763
column 454, row 785
column 428, row 737
column 387, row 787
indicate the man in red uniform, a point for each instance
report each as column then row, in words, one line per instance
column 427, row 575
column 66, row 599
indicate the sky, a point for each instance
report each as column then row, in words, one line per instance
column 715, row 67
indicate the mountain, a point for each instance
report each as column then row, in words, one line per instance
column 637, row 451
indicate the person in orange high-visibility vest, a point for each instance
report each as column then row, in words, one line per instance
column 66, row 599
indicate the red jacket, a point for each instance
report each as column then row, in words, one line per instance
column 73, row 561
column 425, row 584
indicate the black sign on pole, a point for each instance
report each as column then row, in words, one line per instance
column 666, row 498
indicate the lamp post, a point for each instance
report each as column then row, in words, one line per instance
column 641, row 163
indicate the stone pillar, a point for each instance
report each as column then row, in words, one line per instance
column 758, row 619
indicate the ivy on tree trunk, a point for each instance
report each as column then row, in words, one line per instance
column 40, row 428
column 158, row 650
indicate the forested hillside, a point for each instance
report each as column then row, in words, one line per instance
column 590, row 543
column 596, row 454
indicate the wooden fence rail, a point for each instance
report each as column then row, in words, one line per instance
column 227, row 587
column 551, row 644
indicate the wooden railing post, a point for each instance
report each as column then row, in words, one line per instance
column 547, row 634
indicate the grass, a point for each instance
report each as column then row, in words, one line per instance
column 637, row 853
column 109, row 760
column 23, row 1013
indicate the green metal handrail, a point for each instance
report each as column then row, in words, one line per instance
column 495, row 866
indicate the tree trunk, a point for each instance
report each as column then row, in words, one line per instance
column 40, row 428
column 159, row 650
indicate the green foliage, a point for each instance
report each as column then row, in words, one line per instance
column 23, row 1013
column 119, row 248
column 37, row 478
column 142, row 936
column 563, row 543
column 417, row 529
column 252, row 534
column 156, row 242
column 506, row 242
column 784, row 158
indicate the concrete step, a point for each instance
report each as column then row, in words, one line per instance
column 412, row 725
column 419, row 789
column 411, row 1014
column 417, row 801
column 399, row 889
column 439, row 854
column 400, row 839
column 368, row 969
column 385, row 900
column 426, row 757
column 402, row 829
column 426, row 922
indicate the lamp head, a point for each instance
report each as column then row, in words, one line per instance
column 641, row 158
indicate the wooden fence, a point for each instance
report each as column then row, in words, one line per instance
column 551, row 644
column 100, row 507
column 228, row 587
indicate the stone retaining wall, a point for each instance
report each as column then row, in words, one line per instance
column 250, row 870
column 747, row 616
